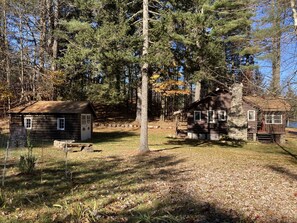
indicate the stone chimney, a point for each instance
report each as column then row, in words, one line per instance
column 237, row 120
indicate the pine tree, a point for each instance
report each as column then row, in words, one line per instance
column 271, row 27
column 101, row 48
column 232, row 24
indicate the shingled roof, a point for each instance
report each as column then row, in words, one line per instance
column 52, row 107
column 268, row 104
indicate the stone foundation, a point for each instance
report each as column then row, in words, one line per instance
column 60, row 144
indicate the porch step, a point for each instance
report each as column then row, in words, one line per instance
column 265, row 138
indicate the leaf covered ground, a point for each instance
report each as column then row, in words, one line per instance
column 178, row 181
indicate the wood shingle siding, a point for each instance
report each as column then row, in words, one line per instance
column 45, row 127
column 44, row 117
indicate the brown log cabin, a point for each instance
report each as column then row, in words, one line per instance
column 255, row 118
column 267, row 117
column 53, row 120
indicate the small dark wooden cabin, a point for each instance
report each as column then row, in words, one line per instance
column 266, row 117
column 54, row 120
column 256, row 118
column 207, row 118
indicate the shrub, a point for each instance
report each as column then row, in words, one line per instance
column 27, row 162
column 2, row 199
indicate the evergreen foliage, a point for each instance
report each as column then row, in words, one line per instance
column 92, row 49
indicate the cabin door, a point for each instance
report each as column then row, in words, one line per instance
column 86, row 128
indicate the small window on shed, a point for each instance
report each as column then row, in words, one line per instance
column 251, row 115
column 222, row 115
column 61, row 123
column 28, row 122
column 197, row 115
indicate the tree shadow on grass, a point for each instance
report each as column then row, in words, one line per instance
column 99, row 137
column 180, row 206
column 275, row 149
column 287, row 151
column 166, row 149
column 99, row 177
column 52, row 183
column 283, row 171
column 119, row 184
column 195, row 142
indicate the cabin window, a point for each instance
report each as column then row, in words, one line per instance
column 61, row 123
column 211, row 116
column 197, row 115
column 273, row 119
column 251, row 115
column 28, row 122
column 88, row 119
column 222, row 115
column 83, row 119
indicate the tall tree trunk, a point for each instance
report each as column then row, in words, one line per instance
column 53, row 7
column 6, row 47
column 144, row 85
column 21, row 58
column 198, row 91
column 163, row 105
column 294, row 9
column 138, row 105
column 276, row 47
column 42, row 34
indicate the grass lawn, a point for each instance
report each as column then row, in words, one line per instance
column 178, row 181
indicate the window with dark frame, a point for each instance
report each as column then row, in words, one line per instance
column 197, row 115
column 61, row 123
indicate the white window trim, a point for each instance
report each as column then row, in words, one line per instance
column 58, row 124
column 248, row 115
column 213, row 116
column 199, row 112
column 25, row 122
column 224, row 114
column 272, row 119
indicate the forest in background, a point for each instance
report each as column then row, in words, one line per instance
column 93, row 50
